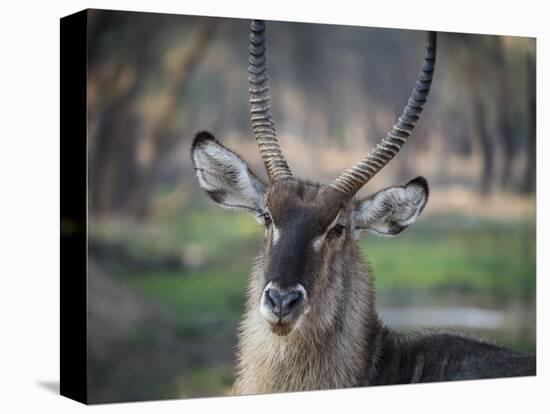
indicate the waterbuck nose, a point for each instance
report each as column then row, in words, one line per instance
column 282, row 304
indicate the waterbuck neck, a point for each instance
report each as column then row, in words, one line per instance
column 329, row 347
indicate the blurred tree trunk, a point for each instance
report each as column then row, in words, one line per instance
column 117, row 90
column 529, row 178
column 508, row 147
column 114, row 149
column 161, row 137
column 485, row 144
column 121, row 178
column 504, row 117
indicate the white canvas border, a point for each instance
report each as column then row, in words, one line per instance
column 29, row 219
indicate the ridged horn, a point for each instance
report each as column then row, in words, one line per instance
column 260, row 108
column 351, row 180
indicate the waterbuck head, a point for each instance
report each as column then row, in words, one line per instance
column 310, row 229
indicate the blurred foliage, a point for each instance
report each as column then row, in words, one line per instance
column 155, row 80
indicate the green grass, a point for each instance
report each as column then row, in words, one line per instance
column 527, row 346
column 203, row 382
column 214, row 230
column 216, row 233
column 198, row 297
column 457, row 253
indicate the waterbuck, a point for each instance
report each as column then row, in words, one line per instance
column 310, row 320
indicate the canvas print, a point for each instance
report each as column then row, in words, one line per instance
column 281, row 206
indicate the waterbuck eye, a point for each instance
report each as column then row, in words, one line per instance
column 267, row 219
column 336, row 231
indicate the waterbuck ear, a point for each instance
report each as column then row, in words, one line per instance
column 392, row 210
column 226, row 177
